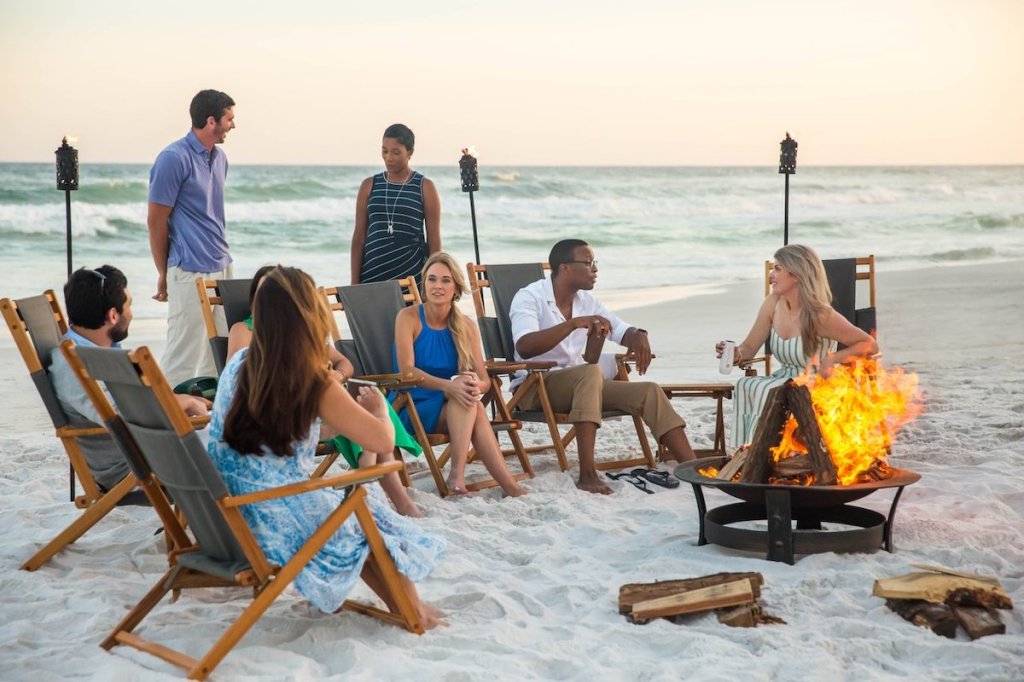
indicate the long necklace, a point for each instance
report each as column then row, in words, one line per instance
column 390, row 213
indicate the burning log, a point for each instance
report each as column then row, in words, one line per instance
column 766, row 436
column 783, row 401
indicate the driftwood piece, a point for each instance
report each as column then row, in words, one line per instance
column 979, row 622
column 938, row 618
column 938, row 587
column 632, row 593
column 733, row 466
column 766, row 436
column 694, row 601
column 803, row 411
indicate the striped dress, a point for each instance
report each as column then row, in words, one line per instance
column 396, row 244
column 752, row 392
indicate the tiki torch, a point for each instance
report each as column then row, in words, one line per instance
column 471, row 183
column 787, row 166
column 67, row 180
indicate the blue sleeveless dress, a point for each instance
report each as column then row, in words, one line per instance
column 282, row 525
column 752, row 392
column 396, row 244
column 436, row 355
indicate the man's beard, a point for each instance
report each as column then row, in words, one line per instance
column 118, row 333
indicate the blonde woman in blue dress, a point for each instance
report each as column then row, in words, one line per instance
column 797, row 314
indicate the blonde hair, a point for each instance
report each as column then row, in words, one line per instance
column 285, row 372
column 812, row 290
column 457, row 322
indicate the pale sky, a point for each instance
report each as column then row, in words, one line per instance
column 548, row 82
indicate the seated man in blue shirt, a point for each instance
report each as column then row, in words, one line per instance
column 99, row 308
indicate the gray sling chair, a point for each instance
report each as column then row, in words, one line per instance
column 843, row 275
column 232, row 295
column 504, row 281
column 37, row 325
column 225, row 552
column 370, row 311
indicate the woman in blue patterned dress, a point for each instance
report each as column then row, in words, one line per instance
column 266, row 419
column 797, row 314
column 438, row 345
column 398, row 216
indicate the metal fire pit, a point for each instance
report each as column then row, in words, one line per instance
column 780, row 505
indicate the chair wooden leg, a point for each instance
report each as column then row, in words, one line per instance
column 403, row 473
column 326, row 462
column 283, row 578
column 89, row 518
column 142, row 609
column 406, row 613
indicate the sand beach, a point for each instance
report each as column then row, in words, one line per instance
column 530, row 585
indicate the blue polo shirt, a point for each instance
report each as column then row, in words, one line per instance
column 190, row 179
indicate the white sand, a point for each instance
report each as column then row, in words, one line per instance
column 530, row 585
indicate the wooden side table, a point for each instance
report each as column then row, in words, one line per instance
column 717, row 392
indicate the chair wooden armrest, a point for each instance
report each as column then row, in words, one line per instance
column 750, row 361
column 536, row 365
column 200, row 422
column 503, row 367
column 79, row 431
column 347, row 479
column 391, row 381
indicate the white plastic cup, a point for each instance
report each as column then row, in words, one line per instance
column 728, row 354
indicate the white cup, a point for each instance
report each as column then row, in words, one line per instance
column 728, row 354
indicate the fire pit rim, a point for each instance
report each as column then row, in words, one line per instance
column 803, row 496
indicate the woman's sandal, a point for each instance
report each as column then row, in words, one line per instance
column 657, row 477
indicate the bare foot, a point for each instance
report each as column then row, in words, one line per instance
column 430, row 617
column 409, row 509
column 515, row 490
column 592, row 484
column 456, row 488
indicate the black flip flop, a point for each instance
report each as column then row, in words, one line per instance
column 638, row 483
column 657, row 477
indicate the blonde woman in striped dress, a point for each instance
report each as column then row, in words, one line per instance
column 797, row 315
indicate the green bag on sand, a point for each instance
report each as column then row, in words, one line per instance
column 201, row 387
column 403, row 439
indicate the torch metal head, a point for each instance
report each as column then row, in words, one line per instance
column 67, row 166
column 469, row 172
column 787, row 159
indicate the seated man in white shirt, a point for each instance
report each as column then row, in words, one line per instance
column 551, row 321
column 99, row 308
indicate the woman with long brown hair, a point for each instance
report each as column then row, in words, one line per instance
column 804, row 327
column 263, row 433
column 441, row 347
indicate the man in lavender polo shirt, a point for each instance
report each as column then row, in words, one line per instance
column 187, row 230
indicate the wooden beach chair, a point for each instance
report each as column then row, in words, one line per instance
column 37, row 325
column 370, row 310
column 225, row 552
column 504, row 281
column 844, row 275
column 232, row 295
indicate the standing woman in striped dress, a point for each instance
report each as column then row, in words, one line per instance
column 398, row 216
column 804, row 327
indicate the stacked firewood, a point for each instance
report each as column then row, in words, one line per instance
column 733, row 595
column 942, row 599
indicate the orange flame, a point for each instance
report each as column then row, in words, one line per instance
column 859, row 409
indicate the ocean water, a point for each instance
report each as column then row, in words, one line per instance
column 650, row 227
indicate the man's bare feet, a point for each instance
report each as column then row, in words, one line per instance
column 430, row 617
column 592, row 484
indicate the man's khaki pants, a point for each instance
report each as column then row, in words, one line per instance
column 583, row 393
column 187, row 353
